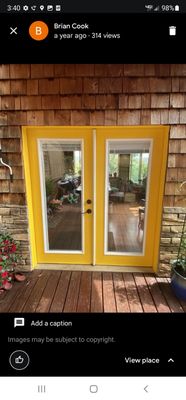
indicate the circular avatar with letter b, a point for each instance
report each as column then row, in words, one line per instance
column 38, row 30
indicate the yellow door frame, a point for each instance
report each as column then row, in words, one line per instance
column 159, row 134
column 34, row 200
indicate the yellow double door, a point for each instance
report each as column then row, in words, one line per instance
column 95, row 194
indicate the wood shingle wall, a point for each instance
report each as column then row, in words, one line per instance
column 109, row 94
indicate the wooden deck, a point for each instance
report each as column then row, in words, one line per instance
column 56, row 291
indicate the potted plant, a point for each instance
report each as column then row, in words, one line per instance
column 9, row 258
column 178, row 272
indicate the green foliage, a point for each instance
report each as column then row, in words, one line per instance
column 77, row 162
column 50, row 187
column 135, row 173
column 113, row 163
column 134, row 169
column 144, row 166
column 138, row 165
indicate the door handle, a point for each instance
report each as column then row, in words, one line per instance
column 89, row 211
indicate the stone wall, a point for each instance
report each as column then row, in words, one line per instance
column 13, row 220
column 111, row 94
column 172, row 225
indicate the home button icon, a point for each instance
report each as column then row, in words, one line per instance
column 93, row 389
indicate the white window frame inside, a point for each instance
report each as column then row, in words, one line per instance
column 115, row 253
column 40, row 142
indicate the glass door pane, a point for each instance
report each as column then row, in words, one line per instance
column 126, row 195
column 62, row 188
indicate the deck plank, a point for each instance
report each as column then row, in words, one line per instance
column 109, row 301
column 61, row 292
column 56, row 291
column 48, row 293
column 183, row 304
column 172, row 301
column 122, row 303
column 97, row 293
column 132, row 293
column 157, row 295
column 8, row 298
column 25, row 291
column 36, row 294
column 144, row 294
column 73, row 292
column 84, row 299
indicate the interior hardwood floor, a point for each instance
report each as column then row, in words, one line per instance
column 65, row 228
column 124, row 234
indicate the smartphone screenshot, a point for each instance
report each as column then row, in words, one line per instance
column 92, row 199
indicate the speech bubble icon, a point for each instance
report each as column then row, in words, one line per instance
column 19, row 322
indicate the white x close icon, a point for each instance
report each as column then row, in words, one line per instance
column 13, row 30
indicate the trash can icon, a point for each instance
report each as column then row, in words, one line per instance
column 172, row 30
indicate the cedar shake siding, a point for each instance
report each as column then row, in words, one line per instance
column 110, row 94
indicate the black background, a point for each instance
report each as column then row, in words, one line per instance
column 136, row 335
column 144, row 39
column 92, row 6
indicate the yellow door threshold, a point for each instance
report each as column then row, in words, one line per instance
column 101, row 268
